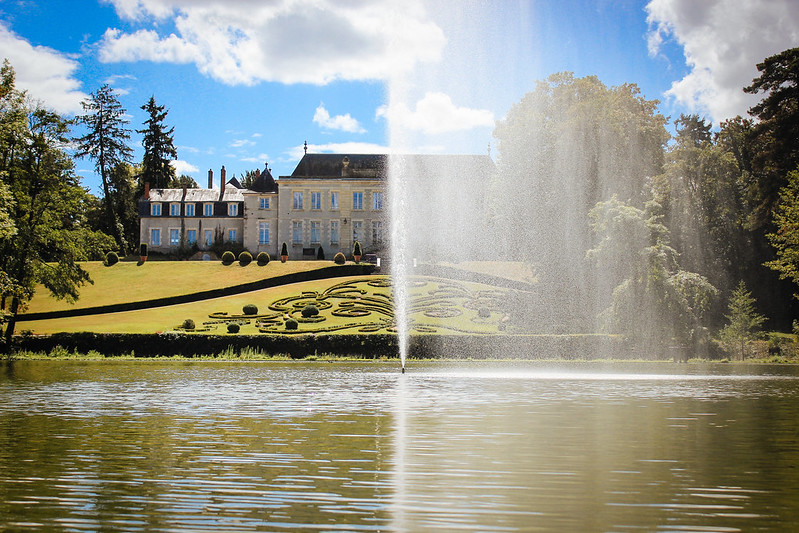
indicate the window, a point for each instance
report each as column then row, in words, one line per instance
column 155, row 237
column 209, row 237
column 377, row 201
column 316, row 234
column 263, row 233
column 296, row 232
column 334, row 200
column 174, row 210
column 377, row 232
column 357, row 231
column 191, row 236
column 174, row 237
column 316, row 200
column 264, row 202
column 208, row 210
column 231, row 235
column 334, row 236
column 189, row 210
column 297, row 200
column 155, row 210
column 357, row 200
column 232, row 209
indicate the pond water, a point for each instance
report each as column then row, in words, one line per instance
column 227, row 446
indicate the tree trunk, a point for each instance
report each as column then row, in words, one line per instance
column 12, row 321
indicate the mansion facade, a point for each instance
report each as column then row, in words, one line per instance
column 329, row 201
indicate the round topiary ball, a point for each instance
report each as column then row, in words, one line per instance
column 245, row 258
column 339, row 259
column 292, row 324
column 310, row 310
column 188, row 324
column 263, row 259
column 111, row 259
column 484, row 312
column 228, row 257
column 233, row 328
column 250, row 309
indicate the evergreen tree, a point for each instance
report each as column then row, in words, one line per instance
column 744, row 321
column 106, row 143
column 159, row 148
column 785, row 239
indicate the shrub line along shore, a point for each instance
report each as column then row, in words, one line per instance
column 285, row 279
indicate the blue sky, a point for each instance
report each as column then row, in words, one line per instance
column 248, row 81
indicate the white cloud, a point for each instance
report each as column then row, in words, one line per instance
column 722, row 40
column 183, row 167
column 238, row 143
column 288, row 41
column 339, row 122
column 261, row 158
column 46, row 74
column 296, row 152
column 436, row 113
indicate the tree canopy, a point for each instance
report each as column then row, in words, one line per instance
column 159, row 147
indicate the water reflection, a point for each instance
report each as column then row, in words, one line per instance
column 270, row 446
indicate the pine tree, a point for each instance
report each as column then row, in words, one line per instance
column 106, row 144
column 159, row 147
column 744, row 320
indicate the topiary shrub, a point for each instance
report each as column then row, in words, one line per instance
column 228, row 258
column 284, row 252
column 143, row 249
column 188, row 324
column 292, row 324
column 484, row 312
column 250, row 309
column 233, row 328
column 111, row 259
column 310, row 310
column 320, row 254
column 263, row 259
column 356, row 250
column 339, row 259
column 245, row 258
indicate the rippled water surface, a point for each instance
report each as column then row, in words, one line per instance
column 155, row 446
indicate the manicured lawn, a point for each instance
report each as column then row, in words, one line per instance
column 129, row 282
column 360, row 304
column 512, row 270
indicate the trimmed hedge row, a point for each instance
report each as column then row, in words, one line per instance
column 367, row 346
column 297, row 277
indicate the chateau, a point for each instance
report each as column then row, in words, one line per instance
column 329, row 201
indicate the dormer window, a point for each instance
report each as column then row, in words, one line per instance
column 174, row 210
column 155, row 210
column 208, row 210
column 189, row 210
column 232, row 209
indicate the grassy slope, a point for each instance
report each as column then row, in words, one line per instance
column 129, row 282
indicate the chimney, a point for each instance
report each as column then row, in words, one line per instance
column 222, row 186
column 146, row 190
column 210, row 179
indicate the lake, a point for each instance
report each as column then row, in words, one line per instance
column 265, row 446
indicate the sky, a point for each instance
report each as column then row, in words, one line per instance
column 248, row 82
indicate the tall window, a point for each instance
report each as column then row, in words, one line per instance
column 297, row 200
column 334, row 200
column 357, row 200
column 357, row 231
column 296, row 232
column 209, row 237
column 155, row 237
column 208, row 210
column 155, row 210
column 377, row 201
column 264, row 202
column 263, row 233
column 377, row 232
column 191, row 236
column 189, row 210
column 174, row 210
column 316, row 200
column 232, row 235
column 334, row 235
column 232, row 209
column 174, row 237
column 316, row 233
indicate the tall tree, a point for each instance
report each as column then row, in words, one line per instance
column 776, row 132
column 51, row 235
column 785, row 239
column 159, row 147
column 106, row 143
column 744, row 321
